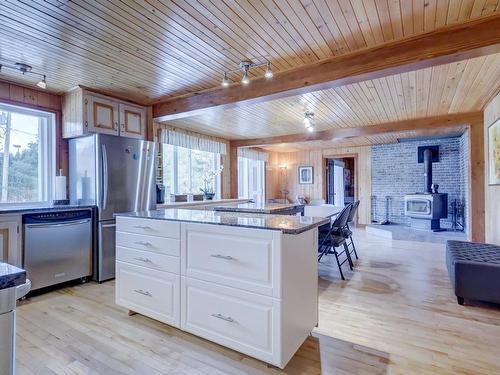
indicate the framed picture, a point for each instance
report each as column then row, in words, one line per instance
column 494, row 153
column 306, row 175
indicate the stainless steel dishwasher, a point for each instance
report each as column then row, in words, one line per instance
column 57, row 247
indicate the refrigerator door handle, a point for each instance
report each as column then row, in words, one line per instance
column 104, row 177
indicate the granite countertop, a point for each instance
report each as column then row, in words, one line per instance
column 265, row 208
column 11, row 276
column 286, row 224
column 25, row 210
column 200, row 203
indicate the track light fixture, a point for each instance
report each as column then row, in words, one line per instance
column 26, row 69
column 245, row 66
column 225, row 81
column 309, row 122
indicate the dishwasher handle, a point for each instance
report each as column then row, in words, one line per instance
column 57, row 224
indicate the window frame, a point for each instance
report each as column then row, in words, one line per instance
column 46, row 155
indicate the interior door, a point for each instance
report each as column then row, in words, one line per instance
column 335, row 182
column 256, row 180
column 132, row 121
column 102, row 115
column 338, row 183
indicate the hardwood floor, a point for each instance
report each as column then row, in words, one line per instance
column 396, row 314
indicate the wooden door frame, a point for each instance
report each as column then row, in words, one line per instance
column 354, row 156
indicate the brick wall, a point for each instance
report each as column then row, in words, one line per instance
column 395, row 172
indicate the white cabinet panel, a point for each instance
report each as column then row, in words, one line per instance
column 153, row 293
column 160, row 228
column 243, row 321
column 149, row 259
column 163, row 245
column 243, row 261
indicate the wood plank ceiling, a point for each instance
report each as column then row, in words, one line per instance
column 464, row 86
column 149, row 50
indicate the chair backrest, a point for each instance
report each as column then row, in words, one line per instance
column 354, row 208
column 341, row 219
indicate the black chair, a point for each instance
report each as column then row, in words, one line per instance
column 329, row 240
column 347, row 232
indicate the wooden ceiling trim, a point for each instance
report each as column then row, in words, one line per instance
column 448, row 122
column 450, row 44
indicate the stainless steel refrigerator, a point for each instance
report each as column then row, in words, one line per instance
column 116, row 174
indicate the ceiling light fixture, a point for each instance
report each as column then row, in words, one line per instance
column 269, row 72
column 26, row 69
column 43, row 83
column 245, row 66
column 309, row 122
column 225, row 81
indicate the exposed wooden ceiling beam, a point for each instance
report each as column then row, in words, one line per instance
column 470, row 39
column 448, row 122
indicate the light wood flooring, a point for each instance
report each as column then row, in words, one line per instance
column 396, row 314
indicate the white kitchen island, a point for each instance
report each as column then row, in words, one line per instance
column 245, row 281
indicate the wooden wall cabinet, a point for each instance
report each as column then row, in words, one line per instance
column 85, row 112
column 10, row 240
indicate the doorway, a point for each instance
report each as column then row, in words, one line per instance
column 340, row 181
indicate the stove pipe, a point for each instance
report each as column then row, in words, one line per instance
column 428, row 170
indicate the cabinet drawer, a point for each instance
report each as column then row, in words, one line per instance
column 151, row 227
column 149, row 292
column 242, row 321
column 235, row 260
column 163, row 245
column 148, row 259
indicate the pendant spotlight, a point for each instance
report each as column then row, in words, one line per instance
column 245, row 66
column 309, row 122
column 26, row 69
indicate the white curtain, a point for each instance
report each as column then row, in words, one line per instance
column 192, row 141
column 252, row 154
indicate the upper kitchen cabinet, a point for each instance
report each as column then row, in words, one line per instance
column 132, row 121
column 85, row 112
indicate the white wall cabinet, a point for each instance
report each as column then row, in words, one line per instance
column 85, row 112
column 252, row 290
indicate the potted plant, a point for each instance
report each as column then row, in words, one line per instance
column 208, row 182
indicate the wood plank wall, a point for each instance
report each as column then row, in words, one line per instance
column 315, row 158
column 492, row 192
column 29, row 97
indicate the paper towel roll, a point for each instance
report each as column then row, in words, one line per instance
column 86, row 191
column 60, row 188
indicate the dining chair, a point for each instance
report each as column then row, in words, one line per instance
column 347, row 232
column 329, row 240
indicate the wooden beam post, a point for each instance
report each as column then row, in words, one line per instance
column 465, row 40
column 477, row 170
column 233, row 162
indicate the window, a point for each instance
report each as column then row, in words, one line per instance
column 27, row 156
column 251, row 179
column 184, row 169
